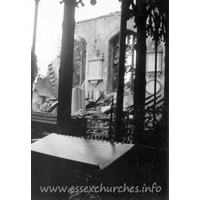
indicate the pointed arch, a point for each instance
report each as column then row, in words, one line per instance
column 111, row 41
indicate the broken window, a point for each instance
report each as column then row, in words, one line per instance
column 130, row 60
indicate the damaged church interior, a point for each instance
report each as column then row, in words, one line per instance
column 100, row 116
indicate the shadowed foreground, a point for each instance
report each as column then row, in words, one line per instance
column 145, row 168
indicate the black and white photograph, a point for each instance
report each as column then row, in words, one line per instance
column 100, row 100
column 94, row 111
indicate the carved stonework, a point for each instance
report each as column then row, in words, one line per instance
column 152, row 74
column 150, row 86
column 95, row 52
column 94, row 82
column 95, row 70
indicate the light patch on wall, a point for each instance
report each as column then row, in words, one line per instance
column 150, row 87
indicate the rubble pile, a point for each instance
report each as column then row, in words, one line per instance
column 100, row 115
column 45, row 104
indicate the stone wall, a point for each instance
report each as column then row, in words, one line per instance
column 98, row 33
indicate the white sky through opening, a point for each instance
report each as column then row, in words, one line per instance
column 49, row 26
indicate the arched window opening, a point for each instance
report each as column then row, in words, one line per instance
column 80, row 46
column 130, row 60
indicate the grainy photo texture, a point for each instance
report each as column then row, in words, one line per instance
column 100, row 100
